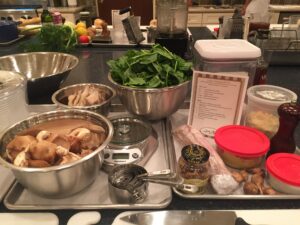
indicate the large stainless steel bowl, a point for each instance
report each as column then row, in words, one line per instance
column 151, row 103
column 60, row 97
column 45, row 71
column 62, row 180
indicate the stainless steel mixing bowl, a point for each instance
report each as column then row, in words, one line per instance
column 45, row 71
column 151, row 103
column 60, row 97
column 62, row 180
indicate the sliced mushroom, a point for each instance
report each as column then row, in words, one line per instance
column 70, row 157
column 57, row 139
column 81, row 133
column 22, row 159
column 61, row 151
column 17, row 145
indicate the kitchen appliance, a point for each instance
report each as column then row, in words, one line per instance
column 134, row 141
column 172, row 25
column 191, row 217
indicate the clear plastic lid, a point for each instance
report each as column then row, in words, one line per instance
column 270, row 94
column 9, row 82
column 129, row 130
column 227, row 49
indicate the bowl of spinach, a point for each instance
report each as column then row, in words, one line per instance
column 151, row 83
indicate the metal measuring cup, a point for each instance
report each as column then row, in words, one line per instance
column 124, row 185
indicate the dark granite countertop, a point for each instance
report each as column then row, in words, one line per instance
column 93, row 68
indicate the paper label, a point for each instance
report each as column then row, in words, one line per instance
column 217, row 100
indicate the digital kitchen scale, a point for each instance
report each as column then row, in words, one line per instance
column 134, row 141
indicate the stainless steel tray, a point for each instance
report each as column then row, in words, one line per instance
column 96, row 196
column 180, row 118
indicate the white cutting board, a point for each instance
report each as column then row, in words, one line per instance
column 255, row 217
column 28, row 219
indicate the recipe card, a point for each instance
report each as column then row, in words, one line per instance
column 217, row 100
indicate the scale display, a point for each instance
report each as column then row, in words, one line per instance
column 122, row 156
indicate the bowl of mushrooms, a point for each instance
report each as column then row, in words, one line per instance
column 58, row 153
column 87, row 96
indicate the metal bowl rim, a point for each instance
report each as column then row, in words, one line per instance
column 68, row 165
column 164, row 89
column 75, row 58
column 91, row 107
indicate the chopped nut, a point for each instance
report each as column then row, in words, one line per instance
column 251, row 189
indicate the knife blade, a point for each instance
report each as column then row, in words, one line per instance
column 183, row 217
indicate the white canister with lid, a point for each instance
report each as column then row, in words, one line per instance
column 263, row 102
column 227, row 55
column 13, row 98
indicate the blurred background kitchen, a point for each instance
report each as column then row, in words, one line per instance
column 200, row 9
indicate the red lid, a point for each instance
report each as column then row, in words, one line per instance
column 216, row 29
column 285, row 167
column 242, row 141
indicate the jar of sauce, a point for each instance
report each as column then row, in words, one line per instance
column 193, row 166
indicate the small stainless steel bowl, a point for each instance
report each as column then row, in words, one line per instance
column 151, row 103
column 60, row 97
column 62, row 180
column 45, row 71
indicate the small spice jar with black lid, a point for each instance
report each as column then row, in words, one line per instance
column 193, row 166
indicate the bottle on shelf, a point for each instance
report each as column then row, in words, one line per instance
column 46, row 16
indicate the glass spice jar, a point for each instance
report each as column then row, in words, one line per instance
column 193, row 166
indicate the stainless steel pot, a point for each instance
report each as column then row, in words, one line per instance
column 62, row 180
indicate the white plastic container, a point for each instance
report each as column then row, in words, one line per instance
column 227, row 55
column 283, row 172
column 13, row 99
column 263, row 102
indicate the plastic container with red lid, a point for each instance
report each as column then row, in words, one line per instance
column 241, row 147
column 284, row 172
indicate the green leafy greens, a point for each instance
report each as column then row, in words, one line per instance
column 53, row 38
column 153, row 68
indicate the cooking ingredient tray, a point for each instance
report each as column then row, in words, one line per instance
column 180, row 118
column 96, row 196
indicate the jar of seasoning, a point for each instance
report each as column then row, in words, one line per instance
column 193, row 166
column 85, row 18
